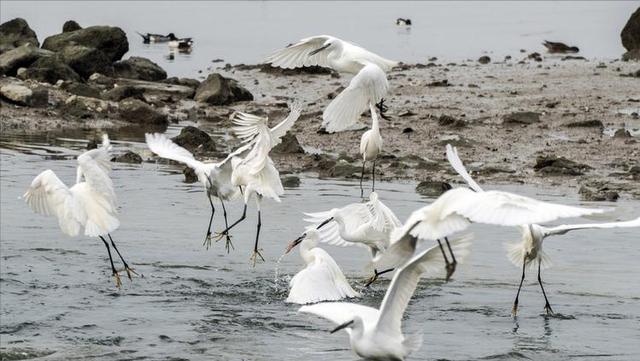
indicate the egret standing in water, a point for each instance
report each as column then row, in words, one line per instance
column 529, row 251
column 369, row 85
column 377, row 333
column 321, row 279
column 89, row 204
column 256, row 173
column 215, row 177
column 370, row 147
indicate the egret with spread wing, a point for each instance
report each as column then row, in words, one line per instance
column 377, row 333
column 369, row 85
column 529, row 251
column 321, row 279
column 215, row 177
column 89, row 204
column 256, row 173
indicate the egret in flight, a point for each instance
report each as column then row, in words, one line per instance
column 88, row 204
column 321, row 279
column 377, row 333
column 369, row 85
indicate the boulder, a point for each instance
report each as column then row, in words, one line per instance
column 111, row 41
column 484, row 59
column 85, row 107
column 218, row 90
column 191, row 83
column 447, row 120
column 134, row 110
column 521, row 118
column 122, row 92
column 631, row 55
column 128, row 157
column 82, row 89
column 593, row 123
column 22, row 95
column 190, row 175
column 139, row 68
column 50, row 69
column 431, row 188
column 158, row 89
column 553, row 165
column 341, row 169
column 630, row 34
column 101, row 80
column 15, row 33
column 70, row 25
column 597, row 193
column 22, row 56
column 290, row 181
column 86, row 61
column 289, row 145
column 195, row 140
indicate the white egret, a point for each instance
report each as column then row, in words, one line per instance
column 89, row 204
column 377, row 333
column 369, row 85
column 321, row 279
column 215, row 177
column 256, row 173
column 370, row 147
column 529, row 251
column 457, row 208
column 367, row 224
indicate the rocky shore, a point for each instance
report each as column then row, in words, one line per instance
column 529, row 118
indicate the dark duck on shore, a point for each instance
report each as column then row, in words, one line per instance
column 561, row 48
column 401, row 21
column 183, row 45
column 156, row 38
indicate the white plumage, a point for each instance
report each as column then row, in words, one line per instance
column 367, row 224
column 376, row 333
column 368, row 86
column 371, row 146
column 321, row 279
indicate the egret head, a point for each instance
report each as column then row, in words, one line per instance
column 310, row 239
column 327, row 44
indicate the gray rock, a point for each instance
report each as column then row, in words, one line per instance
column 290, row 181
column 621, row 133
column 484, row 59
column 195, row 140
column 190, row 175
column 86, row 60
column 289, row 145
column 128, row 157
column 50, row 70
column 218, row 90
column 449, row 121
column 134, row 110
column 631, row 55
column 521, row 118
column 341, row 169
column 84, row 107
column 594, row 123
column 22, row 95
column 111, row 41
column 139, row 68
column 158, row 89
column 553, row 165
column 70, row 25
column 101, row 80
column 122, row 92
column 595, row 193
column 191, row 83
column 630, row 34
column 431, row 188
column 81, row 89
column 22, row 56
column 16, row 32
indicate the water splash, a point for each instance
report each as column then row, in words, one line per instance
column 275, row 280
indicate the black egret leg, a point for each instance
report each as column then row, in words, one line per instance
column 373, row 278
column 514, row 309
column 228, row 243
column 256, row 251
column 207, row 238
column 382, row 108
column 373, row 176
column 453, row 263
column 226, row 231
column 448, row 265
column 361, row 177
column 547, row 306
column 113, row 268
column 128, row 269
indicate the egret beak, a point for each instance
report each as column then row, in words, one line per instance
column 324, row 223
column 319, row 50
column 294, row 243
column 344, row 325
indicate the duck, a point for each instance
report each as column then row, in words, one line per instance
column 401, row 21
column 156, row 38
column 561, row 48
column 180, row 44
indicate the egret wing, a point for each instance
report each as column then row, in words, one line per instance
column 456, row 163
column 562, row 229
column 341, row 312
column 249, row 126
column 405, row 281
column 285, row 125
column 298, row 55
column 101, row 154
column 368, row 86
column 164, row 147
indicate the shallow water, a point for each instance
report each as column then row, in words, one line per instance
column 57, row 297
column 246, row 32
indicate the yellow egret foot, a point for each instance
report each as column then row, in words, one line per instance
column 116, row 275
column 255, row 255
column 207, row 240
column 129, row 271
column 228, row 245
column 514, row 309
